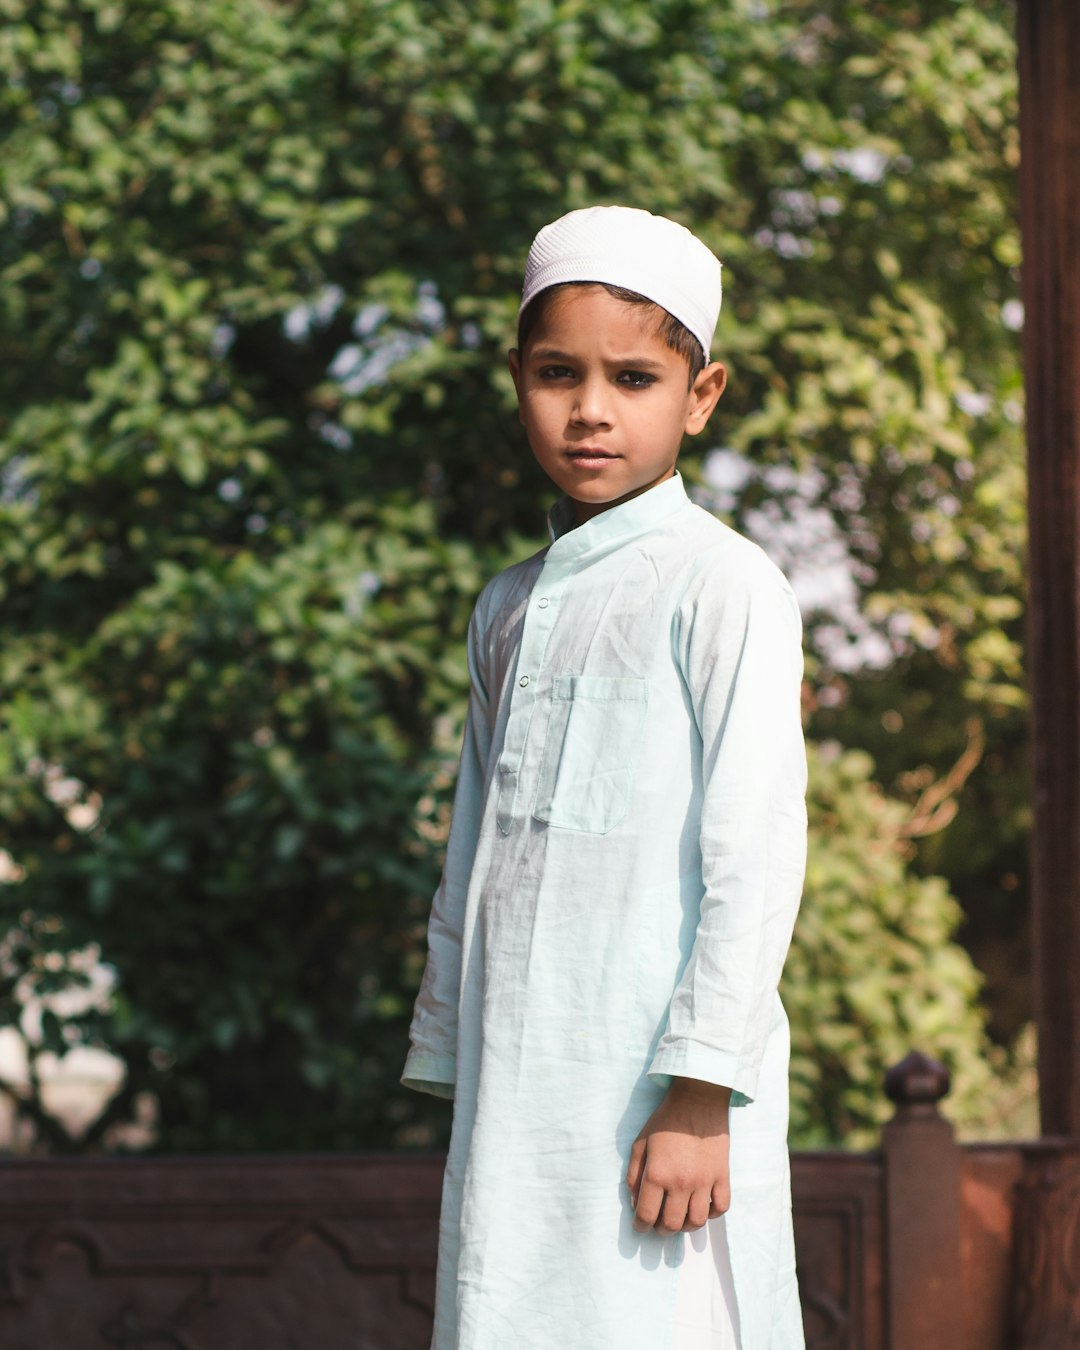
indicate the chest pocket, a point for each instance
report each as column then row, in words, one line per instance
column 593, row 739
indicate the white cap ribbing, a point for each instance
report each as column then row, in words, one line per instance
column 623, row 246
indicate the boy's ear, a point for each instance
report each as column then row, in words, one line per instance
column 704, row 396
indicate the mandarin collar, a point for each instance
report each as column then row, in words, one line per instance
column 639, row 514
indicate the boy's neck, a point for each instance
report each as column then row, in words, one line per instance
column 585, row 511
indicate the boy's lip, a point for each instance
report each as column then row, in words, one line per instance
column 590, row 452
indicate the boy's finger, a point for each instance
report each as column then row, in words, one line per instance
column 721, row 1200
column 633, row 1172
column 647, row 1211
column 698, row 1212
column 673, row 1215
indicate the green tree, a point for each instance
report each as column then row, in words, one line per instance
column 258, row 266
column 874, row 970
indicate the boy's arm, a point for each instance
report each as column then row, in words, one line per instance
column 739, row 648
column 741, row 658
column 432, row 1060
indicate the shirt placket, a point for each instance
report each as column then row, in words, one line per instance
column 539, row 624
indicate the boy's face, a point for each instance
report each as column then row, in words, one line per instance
column 604, row 400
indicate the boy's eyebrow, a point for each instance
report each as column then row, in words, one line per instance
column 637, row 362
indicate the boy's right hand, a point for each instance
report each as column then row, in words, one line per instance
column 678, row 1173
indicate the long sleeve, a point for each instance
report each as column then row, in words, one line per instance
column 431, row 1063
column 738, row 648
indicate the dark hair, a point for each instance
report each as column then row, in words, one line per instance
column 671, row 332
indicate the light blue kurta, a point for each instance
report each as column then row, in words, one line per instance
column 622, row 876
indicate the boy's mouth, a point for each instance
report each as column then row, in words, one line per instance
column 590, row 453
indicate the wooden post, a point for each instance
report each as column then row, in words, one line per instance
column 924, row 1281
column 1049, row 40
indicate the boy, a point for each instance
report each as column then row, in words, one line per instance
column 625, row 859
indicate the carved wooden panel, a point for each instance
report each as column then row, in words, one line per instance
column 218, row 1254
column 317, row 1253
column 839, row 1248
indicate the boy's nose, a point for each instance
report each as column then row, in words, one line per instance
column 592, row 407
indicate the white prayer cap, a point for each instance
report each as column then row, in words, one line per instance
column 623, row 246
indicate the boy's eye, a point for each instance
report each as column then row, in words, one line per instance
column 555, row 372
column 636, row 379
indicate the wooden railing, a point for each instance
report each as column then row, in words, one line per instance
column 921, row 1245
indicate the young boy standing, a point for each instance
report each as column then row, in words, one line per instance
column 625, row 859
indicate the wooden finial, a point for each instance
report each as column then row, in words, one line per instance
column 918, row 1080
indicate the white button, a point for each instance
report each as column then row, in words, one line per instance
column 523, row 681
column 543, row 602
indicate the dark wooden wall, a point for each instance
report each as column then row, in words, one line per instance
column 921, row 1245
column 317, row 1254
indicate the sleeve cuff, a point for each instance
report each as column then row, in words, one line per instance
column 434, row 1074
column 687, row 1059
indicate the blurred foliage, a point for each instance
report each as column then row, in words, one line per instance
column 251, row 861
column 874, row 971
column 258, row 269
